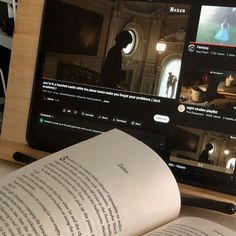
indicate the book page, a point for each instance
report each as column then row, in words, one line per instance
column 192, row 226
column 110, row 184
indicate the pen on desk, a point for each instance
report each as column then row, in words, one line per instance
column 224, row 207
column 23, row 158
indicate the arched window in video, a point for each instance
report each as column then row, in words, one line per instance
column 213, row 150
column 231, row 163
column 169, row 78
column 131, row 46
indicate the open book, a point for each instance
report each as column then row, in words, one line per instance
column 111, row 184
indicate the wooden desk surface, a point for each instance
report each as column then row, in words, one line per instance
column 24, row 51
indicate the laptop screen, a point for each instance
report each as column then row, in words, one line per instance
column 162, row 71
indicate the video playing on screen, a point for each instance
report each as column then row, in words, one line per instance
column 118, row 51
column 115, row 59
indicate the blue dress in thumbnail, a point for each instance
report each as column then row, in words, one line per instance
column 223, row 34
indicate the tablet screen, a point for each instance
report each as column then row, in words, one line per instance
column 162, row 71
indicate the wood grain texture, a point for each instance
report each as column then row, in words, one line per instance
column 20, row 80
column 21, row 73
column 206, row 193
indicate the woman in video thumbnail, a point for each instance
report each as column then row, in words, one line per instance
column 205, row 154
column 223, row 34
column 111, row 70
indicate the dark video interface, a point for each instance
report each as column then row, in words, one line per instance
column 161, row 71
column 205, row 133
column 100, row 68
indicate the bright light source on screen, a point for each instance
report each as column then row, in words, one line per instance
column 161, row 46
column 226, row 151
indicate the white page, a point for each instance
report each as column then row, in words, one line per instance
column 109, row 184
column 192, row 226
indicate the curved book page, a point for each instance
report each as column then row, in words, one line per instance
column 110, row 184
column 192, row 226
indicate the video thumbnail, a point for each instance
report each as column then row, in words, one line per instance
column 209, row 88
column 217, row 25
column 204, row 149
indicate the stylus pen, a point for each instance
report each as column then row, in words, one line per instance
column 224, row 207
column 23, row 158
